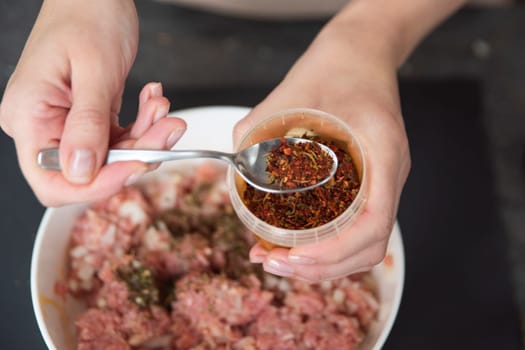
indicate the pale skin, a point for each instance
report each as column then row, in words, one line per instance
column 66, row 91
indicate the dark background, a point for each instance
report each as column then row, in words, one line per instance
column 462, row 213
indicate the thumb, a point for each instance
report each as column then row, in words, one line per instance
column 85, row 137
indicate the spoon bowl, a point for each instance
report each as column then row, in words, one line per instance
column 250, row 163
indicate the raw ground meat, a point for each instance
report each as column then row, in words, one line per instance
column 165, row 265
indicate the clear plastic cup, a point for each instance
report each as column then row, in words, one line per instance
column 297, row 122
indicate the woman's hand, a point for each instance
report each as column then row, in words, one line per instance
column 66, row 92
column 347, row 76
column 350, row 72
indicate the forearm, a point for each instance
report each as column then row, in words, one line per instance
column 390, row 28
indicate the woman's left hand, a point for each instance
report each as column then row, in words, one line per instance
column 358, row 84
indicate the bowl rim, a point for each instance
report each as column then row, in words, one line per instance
column 35, row 257
column 396, row 238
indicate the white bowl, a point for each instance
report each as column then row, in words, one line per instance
column 208, row 128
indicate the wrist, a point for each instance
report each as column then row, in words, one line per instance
column 102, row 10
column 389, row 29
column 359, row 34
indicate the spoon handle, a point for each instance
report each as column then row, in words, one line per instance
column 50, row 159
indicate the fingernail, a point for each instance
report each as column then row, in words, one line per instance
column 135, row 177
column 155, row 89
column 257, row 259
column 278, row 267
column 301, row 260
column 174, row 137
column 161, row 112
column 81, row 165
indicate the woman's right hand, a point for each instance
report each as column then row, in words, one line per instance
column 66, row 92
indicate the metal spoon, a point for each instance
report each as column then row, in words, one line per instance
column 250, row 162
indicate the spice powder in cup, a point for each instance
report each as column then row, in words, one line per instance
column 305, row 217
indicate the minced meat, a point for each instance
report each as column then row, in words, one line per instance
column 165, row 265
